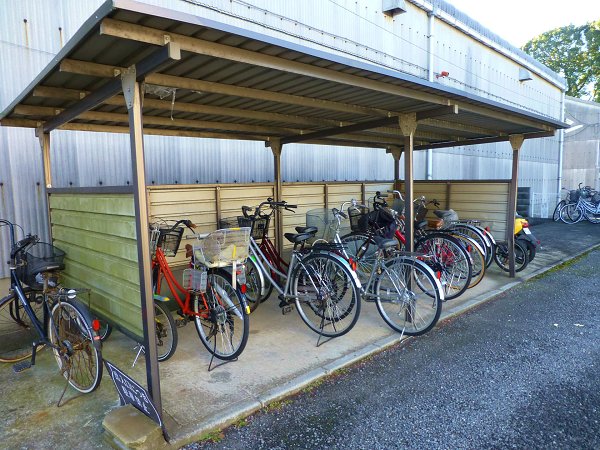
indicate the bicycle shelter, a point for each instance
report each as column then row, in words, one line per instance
column 235, row 84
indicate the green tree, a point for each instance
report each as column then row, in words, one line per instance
column 574, row 51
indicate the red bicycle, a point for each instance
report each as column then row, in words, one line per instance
column 209, row 296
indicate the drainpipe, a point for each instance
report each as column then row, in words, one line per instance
column 561, row 145
column 430, row 23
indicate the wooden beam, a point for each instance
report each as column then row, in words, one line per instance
column 455, row 126
column 151, row 63
column 460, row 142
column 83, row 68
column 126, row 30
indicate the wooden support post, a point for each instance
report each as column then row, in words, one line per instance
column 218, row 204
column 516, row 141
column 408, row 126
column 396, row 153
column 45, row 146
column 326, row 194
column 276, row 148
column 133, row 99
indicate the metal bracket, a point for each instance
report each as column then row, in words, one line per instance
column 128, row 79
column 408, row 123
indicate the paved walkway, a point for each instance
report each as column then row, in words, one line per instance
column 280, row 358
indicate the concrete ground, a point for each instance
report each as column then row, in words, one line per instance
column 280, row 358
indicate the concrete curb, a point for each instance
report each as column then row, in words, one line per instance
column 235, row 412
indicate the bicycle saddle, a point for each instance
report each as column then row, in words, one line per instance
column 311, row 230
column 298, row 238
column 384, row 243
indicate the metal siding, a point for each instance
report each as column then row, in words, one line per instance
column 86, row 159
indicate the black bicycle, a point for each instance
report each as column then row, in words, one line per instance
column 37, row 312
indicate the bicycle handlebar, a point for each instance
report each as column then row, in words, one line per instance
column 395, row 192
column 17, row 247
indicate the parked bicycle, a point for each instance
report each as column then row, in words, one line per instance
column 405, row 290
column 318, row 281
column 208, row 296
column 37, row 312
column 448, row 258
column 584, row 204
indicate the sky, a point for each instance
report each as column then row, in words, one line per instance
column 517, row 21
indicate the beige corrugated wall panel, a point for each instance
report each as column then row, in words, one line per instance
column 483, row 200
column 97, row 232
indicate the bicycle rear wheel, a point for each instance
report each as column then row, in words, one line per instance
column 449, row 261
column 221, row 318
column 166, row 331
column 362, row 249
column 408, row 297
column 327, row 298
column 17, row 334
column 77, row 349
column 556, row 213
column 502, row 259
column 477, row 258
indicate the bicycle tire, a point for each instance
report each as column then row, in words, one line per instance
column 556, row 213
column 327, row 298
column 570, row 214
column 105, row 330
column 16, row 332
column 415, row 303
column 78, row 353
column 254, row 285
column 167, row 336
column 221, row 317
column 477, row 259
column 501, row 258
column 449, row 260
column 531, row 249
column 474, row 233
column 362, row 249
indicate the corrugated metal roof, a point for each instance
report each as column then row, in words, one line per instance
column 237, row 84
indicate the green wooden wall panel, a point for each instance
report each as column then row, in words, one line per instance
column 97, row 231
column 112, row 245
column 121, row 226
column 121, row 205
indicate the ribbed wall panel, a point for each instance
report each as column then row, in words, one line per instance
column 347, row 27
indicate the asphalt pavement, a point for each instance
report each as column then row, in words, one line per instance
column 520, row 371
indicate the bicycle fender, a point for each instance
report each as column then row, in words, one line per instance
column 83, row 309
column 343, row 261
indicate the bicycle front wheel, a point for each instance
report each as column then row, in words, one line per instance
column 327, row 298
column 76, row 346
column 221, row 317
column 556, row 213
column 408, row 297
column 17, row 334
column 449, row 261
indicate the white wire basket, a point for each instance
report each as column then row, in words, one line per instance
column 223, row 248
column 195, row 279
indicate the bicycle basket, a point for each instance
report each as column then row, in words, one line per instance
column 222, row 248
column 41, row 257
column 258, row 226
column 358, row 218
column 169, row 240
column 420, row 212
column 325, row 222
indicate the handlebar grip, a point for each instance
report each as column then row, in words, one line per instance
column 22, row 244
column 291, row 206
column 343, row 214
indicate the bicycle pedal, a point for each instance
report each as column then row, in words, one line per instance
column 22, row 366
column 180, row 323
column 287, row 309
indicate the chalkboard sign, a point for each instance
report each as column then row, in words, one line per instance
column 131, row 392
